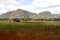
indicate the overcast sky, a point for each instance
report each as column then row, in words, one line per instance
column 30, row 5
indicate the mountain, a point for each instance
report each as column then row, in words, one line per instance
column 44, row 15
column 16, row 14
column 58, row 15
column 26, row 14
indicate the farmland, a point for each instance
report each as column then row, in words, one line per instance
column 43, row 30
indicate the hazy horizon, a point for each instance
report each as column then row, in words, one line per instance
column 35, row 6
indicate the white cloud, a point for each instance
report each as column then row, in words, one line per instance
column 43, row 5
column 37, row 5
column 8, row 5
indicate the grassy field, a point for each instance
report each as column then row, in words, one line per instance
column 43, row 30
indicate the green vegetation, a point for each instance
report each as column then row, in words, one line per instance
column 42, row 24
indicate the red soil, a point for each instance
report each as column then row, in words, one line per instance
column 31, row 34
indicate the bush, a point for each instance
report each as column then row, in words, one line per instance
column 16, row 20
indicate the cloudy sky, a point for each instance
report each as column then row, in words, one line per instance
column 30, row 5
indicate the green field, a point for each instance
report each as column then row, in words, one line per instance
column 48, row 24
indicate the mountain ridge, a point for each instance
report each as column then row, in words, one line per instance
column 19, row 13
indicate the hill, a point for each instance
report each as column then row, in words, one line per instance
column 26, row 14
column 44, row 15
column 16, row 14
